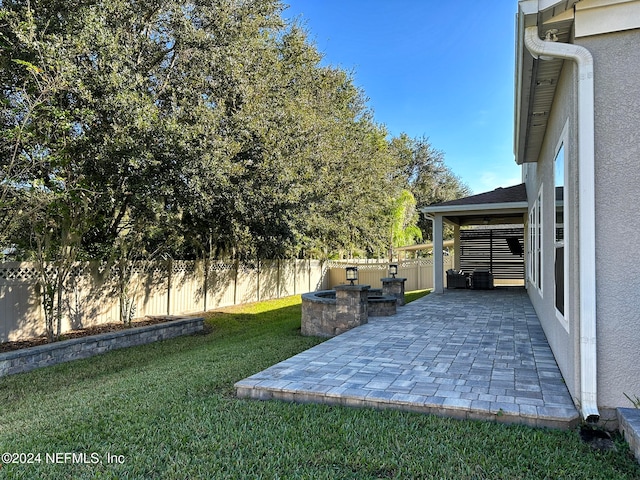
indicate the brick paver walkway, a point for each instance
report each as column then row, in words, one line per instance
column 465, row 354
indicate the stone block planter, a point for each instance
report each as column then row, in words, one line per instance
column 27, row 359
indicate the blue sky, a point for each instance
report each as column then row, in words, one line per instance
column 433, row 68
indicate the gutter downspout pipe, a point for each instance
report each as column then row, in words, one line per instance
column 586, row 174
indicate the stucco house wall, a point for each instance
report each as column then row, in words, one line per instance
column 617, row 163
column 617, row 153
column 563, row 339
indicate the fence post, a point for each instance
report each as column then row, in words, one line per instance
column 235, row 282
column 206, row 283
column 169, row 274
column 258, row 281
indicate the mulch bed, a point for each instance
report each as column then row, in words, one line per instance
column 84, row 332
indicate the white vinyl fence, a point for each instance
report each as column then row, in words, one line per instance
column 418, row 272
column 158, row 288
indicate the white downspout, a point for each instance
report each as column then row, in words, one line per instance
column 586, row 171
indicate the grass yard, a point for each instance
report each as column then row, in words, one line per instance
column 168, row 411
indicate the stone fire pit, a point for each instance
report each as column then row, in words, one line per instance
column 328, row 313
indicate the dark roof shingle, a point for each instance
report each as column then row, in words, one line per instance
column 517, row 193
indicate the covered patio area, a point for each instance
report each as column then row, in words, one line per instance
column 465, row 354
column 502, row 206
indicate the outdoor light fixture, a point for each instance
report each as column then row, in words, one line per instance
column 352, row 274
column 393, row 270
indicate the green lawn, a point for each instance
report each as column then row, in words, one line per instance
column 168, row 411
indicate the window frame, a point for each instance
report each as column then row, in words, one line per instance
column 564, row 243
column 536, row 242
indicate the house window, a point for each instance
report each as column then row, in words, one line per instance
column 560, row 220
column 535, row 242
column 530, row 249
column 539, row 242
column 559, row 195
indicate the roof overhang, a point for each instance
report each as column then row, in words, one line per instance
column 536, row 79
column 494, row 208
column 498, row 207
column 488, row 214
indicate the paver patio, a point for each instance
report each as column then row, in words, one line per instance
column 464, row 354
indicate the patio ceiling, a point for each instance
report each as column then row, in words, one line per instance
column 498, row 207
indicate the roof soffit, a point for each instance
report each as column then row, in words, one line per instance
column 536, row 79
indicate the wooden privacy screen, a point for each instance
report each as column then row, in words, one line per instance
column 497, row 249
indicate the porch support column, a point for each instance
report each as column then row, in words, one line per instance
column 438, row 260
column 456, row 248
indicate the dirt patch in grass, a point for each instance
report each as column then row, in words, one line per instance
column 84, row 332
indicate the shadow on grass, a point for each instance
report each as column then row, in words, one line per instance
column 250, row 337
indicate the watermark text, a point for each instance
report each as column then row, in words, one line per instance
column 60, row 458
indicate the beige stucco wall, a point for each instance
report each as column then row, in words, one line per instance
column 562, row 339
column 617, row 158
column 617, row 125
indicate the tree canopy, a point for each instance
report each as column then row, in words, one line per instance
column 196, row 128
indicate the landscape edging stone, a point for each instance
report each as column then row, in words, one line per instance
column 31, row 358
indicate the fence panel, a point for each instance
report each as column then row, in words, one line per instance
column 335, row 276
column 247, row 284
column 416, row 274
column 425, row 274
column 221, row 284
column 150, row 289
column 317, row 275
column 91, row 295
column 21, row 315
column 371, row 274
column 288, row 272
column 419, row 273
column 187, row 287
column 303, row 276
column 368, row 273
column 269, row 281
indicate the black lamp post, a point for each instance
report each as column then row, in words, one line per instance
column 352, row 274
column 393, row 270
